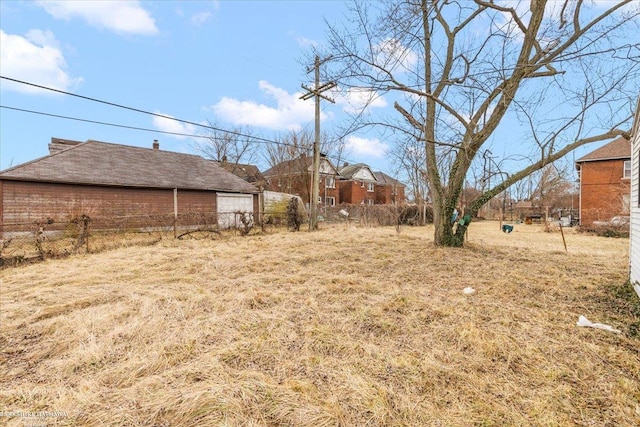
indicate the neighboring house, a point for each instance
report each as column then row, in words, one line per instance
column 294, row 177
column 118, row 184
column 605, row 179
column 634, row 245
column 249, row 173
column 359, row 184
column 389, row 191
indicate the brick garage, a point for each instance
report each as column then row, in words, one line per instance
column 116, row 185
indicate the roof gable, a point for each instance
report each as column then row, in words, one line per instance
column 101, row 163
column 327, row 167
column 619, row 148
column 359, row 171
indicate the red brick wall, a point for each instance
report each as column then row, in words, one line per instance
column 601, row 190
column 29, row 202
column 385, row 196
column 352, row 192
column 299, row 185
column 293, row 184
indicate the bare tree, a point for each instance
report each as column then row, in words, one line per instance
column 288, row 147
column 464, row 74
column 233, row 146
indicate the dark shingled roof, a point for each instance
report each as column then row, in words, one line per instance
column 249, row 173
column 348, row 171
column 294, row 166
column 101, row 163
column 383, row 178
column 619, row 148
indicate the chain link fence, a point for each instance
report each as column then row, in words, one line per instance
column 35, row 241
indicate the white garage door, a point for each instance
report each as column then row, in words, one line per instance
column 228, row 206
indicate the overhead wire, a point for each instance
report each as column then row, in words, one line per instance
column 138, row 110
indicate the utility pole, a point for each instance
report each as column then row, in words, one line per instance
column 317, row 93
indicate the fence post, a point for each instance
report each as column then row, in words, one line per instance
column 175, row 213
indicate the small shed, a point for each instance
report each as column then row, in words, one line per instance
column 120, row 186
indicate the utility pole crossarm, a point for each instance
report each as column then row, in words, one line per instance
column 316, row 93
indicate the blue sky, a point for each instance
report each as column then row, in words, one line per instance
column 236, row 63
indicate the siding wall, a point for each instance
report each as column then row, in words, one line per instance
column 601, row 190
column 634, row 255
column 25, row 203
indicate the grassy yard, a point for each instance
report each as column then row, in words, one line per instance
column 343, row 327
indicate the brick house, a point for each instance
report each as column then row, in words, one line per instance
column 294, row 177
column 359, row 184
column 119, row 185
column 605, row 179
column 389, row 191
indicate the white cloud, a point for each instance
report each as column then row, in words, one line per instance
column 306, row 43
column 366, row 147
column 122, row 17
column 394, row 56
column 35, row 58
column 200, row 18
column 355, row 99
column 168, row 125
column 289, row 112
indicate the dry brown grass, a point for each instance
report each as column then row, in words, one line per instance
column 342, row 327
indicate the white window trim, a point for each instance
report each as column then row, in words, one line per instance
column 330, row 201
column 370, row 187
column 626, row 172
column 330, row 182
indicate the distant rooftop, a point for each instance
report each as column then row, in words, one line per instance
column 619, row 148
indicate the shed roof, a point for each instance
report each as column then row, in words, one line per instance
column 619, row 148
column 102, row 163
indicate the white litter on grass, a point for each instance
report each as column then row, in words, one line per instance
column 469, row 291
column 583, row 321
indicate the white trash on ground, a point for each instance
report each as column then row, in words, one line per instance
column 583, row 321
column 468, row 291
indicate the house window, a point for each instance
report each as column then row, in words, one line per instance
column 330, row 201
column 627, row 169
column 330, row 182
column 370, row 201
column 370, row 186
column 319, row 199
column 362, row 184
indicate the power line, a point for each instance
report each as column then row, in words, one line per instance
column 101, row 123
column 134, row 109
column 249, row 137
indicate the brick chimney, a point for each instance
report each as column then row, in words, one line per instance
column 156, row 144
column 58, row 144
